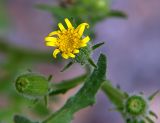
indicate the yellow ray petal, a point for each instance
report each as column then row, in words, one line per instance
column 69, row 25
column 52, row 44
column 71, row 55
column 86, row 39
column 65, row 56
column 52, row 39
column 76, row 51
column 83, row 45
column 61, row 27
column 56, row 51
column 53, row 33
column 81, row 28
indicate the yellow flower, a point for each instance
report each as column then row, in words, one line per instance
column 67, row 41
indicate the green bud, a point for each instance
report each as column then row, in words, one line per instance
column 133, row 108
column 137, row 110
column 136, row 105
column 32, row 85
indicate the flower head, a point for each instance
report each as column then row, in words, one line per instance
column 67, row 41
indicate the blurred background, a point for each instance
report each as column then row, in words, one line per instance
column 131, row 44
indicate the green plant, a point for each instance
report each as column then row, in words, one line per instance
column 133, row 108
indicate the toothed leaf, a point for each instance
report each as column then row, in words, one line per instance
column 85, row 97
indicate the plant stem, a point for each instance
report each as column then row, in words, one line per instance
column 115, row 95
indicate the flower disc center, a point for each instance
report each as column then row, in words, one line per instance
column 21, row 84
column 136, row 105
column 69, row 41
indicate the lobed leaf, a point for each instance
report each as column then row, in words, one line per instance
column 85, row 96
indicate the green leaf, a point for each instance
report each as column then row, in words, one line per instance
column 21, row 119
column 65, row 85
column 116, row 13
column 97, row 45
column 40, row 109
column 84, row 98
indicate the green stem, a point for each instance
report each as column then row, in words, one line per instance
column 115, row 95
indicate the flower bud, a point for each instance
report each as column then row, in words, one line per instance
column 32, row 85
column 137, row 110
column 136, row 105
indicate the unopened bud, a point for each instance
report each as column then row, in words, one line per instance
column 32, row 85
column 136, row 105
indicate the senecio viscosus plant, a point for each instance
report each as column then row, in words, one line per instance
column 76, row 47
